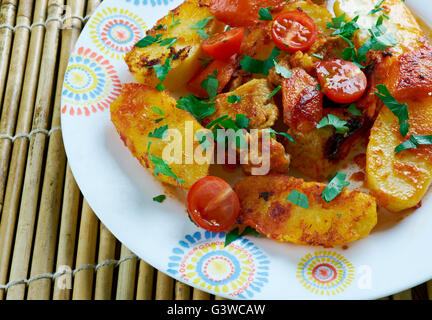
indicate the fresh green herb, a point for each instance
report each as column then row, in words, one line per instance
column 197, row 108
column 159, row 133
column 160, row 87
column 264, row 14
column 282, row 71
column 252, row 65
column 211, row 85
column 400, row 110
column 161, row 167
column 377, row 8
column 204, row 138
column 234, row 99
column 162, row 70
column 414, row 142
column 286, row 135
column 200, row 27
column 339, row 215
column 271, row 95
column 161, row 27
column 242, row 121
column 318, row 87
column 299, row 199
column 235, row 234
column 168, row 42
column 342, row 27
column 317, row 56
column 335, row 187
column 148, row 40
column 354, row 110
column 337, row 123
column 174, row 21
column 160, row 198
column 159, row 120
column 158, row 111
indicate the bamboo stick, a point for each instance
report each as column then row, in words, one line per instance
column 200, row 295
column 404, row 295
column 92, row 5
column 182, row 291
column 32, row 179
column 220, row 298
column 47, row 226
column 7, row 16
column 126, row 276
column 68, row 225
column 7, row 126
column 83, row 283
column 164, row 286
column 13, row 88
column 104, row 275
column 145, row 281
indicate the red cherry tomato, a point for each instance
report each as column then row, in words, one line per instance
column 224, row 71
column 222, row 46
column 293, row 31
column 238, row 13
column 341, row 81
column 213, row 204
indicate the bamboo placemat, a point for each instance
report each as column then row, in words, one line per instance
column 52, row 246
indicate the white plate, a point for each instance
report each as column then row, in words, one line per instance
column 120, row 191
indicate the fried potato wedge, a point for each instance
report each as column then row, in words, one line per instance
column 401, row 22
column 135, row 119
column 350, row 217
column 400, row 181
column 185, row 52
column 255, row 104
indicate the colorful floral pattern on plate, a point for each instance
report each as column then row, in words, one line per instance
column 239, row 270
column 325, row 272
column 115, row 31
column 91, row 84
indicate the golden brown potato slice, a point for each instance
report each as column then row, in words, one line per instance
column 400, row 181
column 255, row 104
column 349, row 217
column 401, row 22
column 134, row 119
column 185, row 52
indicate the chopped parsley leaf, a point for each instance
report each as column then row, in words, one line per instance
column 335, row 187
column 160, row 198
column 282, row 71
column 197, row 108
column 264, row 14
column 211, row 85
column 400, row 110
column 298, row 199
column 159, row 133
column 414, row 142
column 337, row 123
column 235, row 234
column 234, row 99
column 257, row 66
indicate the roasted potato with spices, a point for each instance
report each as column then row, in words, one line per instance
column 349, row 217
column 185, row 52
column 400, row 181
column 134, row 119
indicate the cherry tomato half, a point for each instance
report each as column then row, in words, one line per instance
column 213, row 204
column 224, row 71
column 342, row 81
column 293, row 31
column 222, row 46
